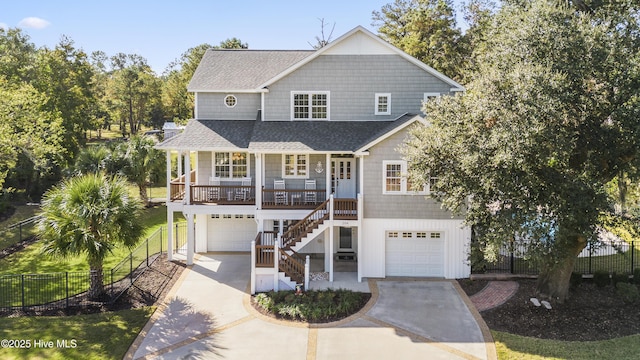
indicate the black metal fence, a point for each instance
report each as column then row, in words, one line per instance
column 611, row 256
column 18, row 232
column 69, row 289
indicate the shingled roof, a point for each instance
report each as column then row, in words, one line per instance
column 282, row 136
column 234, row 70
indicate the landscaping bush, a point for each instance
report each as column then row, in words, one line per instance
column 313, row 305
column 576, row 279
column 601, row 278
column 628, row 292
column 619, row 278
column 636, row 276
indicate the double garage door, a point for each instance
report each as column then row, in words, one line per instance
column 230, row 232
column 414, row 253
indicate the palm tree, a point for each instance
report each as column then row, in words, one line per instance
column 90, row 214
column 142, row 161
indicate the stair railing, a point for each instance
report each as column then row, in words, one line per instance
column 303, row 227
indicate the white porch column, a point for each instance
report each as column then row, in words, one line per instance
column 253, row 267
column 168, row 177
column 327, row 250
column 360, row 216
column 328, row 175
column 331, row 250
column 169, row 234
column 180, row 163
column 258, row 176
column 187, row 178
column 361, row 175
column 276, row 258
column 191, row 239
column 307, row 270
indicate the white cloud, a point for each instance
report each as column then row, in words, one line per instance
column 33, row 23
column 4, row 26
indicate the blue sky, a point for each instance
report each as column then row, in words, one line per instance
column 162, row 30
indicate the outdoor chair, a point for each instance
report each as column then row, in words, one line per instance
column 310, row 196
column 214, row 192
column 280, row 197
column 243, row 192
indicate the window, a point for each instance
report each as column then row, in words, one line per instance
column 407, row 235
column 435, row 235
column 395, row 181
column 231, row 165
column 238, row 216
column 429, row 97
column 421, row 235
column 383, row 104
column 226, row 216
column 310, row 105
column 230, row 101
column 295, row 165
column 392, row 234
column 215, row 216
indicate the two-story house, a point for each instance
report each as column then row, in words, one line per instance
column 294, row 153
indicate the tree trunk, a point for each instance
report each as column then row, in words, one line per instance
column 96, row 287
column 554, row 279
column 142, row 189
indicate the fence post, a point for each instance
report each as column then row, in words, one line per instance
column 161, row 230
column 131, row 267
column 589, row 244
column 511, row 262
column 20, row 226
column 22, row 283
column 633, row 250
column 66, row 274
column 147, row 243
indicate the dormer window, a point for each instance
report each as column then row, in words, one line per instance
column 383, row 104
column 310, row 105
column 230, row 101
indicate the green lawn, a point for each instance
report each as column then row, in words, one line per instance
column 97, row 336
column 31, row 260
column 10, row 237
column 512, row 347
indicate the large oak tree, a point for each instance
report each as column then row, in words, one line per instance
column 549, row 119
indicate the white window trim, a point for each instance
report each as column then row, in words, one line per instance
column 306, row 176
column 378, row 96
column 428, row 97
column 235, row 102
column 404, row 190
column 230, row 153
column 310, row 93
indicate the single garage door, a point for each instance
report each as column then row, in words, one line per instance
column 231, row 232
column 415, row 253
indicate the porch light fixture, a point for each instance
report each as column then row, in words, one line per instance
column 319, row 168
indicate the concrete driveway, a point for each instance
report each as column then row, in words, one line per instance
column 208, row 316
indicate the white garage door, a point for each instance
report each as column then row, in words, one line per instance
column 231, row 232
column 415, row 253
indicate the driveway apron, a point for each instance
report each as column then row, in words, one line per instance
column 208, row 316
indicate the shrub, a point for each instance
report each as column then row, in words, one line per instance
column 619, row 278
column 576, row 279
column 628, row 292
column 636, row 276
column 601, row 278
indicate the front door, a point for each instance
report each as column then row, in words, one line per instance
column 344, row 177
column 345, row 239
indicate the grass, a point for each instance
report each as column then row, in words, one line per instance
column 10, row 237
column 97, row 336
column 511, row 347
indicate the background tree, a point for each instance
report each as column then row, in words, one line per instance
column 548, row 121
column 323, row 40
column 426, row 30
column 142, row 162
column 90, row 214
column 134, row 93
column 65, row 75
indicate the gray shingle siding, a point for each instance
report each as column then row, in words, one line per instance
column 211, row 106
column 353, row 81
column 378, row 205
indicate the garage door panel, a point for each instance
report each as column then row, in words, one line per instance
column 233, row 234
column 410, row 255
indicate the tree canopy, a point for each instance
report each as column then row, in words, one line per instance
column 548, row 120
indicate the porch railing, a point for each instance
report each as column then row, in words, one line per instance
column 303, row 227
column 223, row 194
column 291, row 266
column 265, row 249
column 345, row 209
column 177, row 190
column 290, row 198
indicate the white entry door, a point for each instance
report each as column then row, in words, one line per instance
column 344, row 177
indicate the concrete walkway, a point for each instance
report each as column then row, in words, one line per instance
column 207, row 315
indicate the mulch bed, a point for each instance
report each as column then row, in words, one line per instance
column 150, row 286
column 591, row 313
